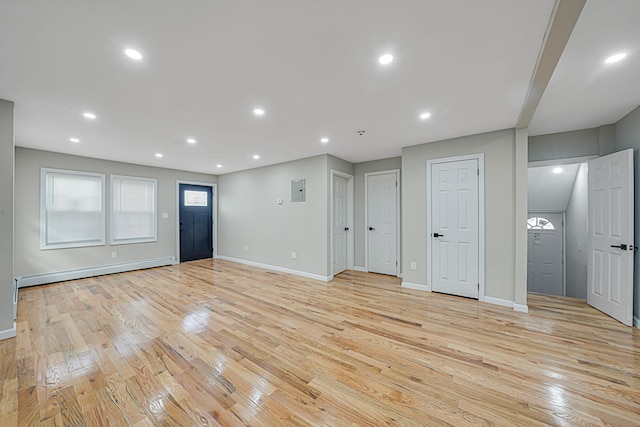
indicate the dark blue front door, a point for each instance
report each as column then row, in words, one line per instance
column 196, row 231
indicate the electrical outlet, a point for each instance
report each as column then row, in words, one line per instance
column 413, row 265
column 294, row 255
column 114, row 255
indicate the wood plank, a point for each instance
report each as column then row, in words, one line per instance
column 217, row 343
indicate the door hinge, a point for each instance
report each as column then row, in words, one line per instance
column 478, row 170
column 396, row 263
column 478, row 287
column 396, row 183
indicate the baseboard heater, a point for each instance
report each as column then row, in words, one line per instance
column 81, row 273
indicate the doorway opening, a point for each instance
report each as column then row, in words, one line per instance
column 557, row 234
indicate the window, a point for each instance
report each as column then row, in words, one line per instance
column 133, row 210
column 539, row 223
column 72, row 212
column 196, row 198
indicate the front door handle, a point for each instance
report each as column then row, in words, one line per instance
column 438, row 235
column 620, row 246
column 371, row 228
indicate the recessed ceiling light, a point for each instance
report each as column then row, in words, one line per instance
column 89, row 115
column 74, row 140
column 425, row 116
column 557, row 170
column 218, row 165
column 158, row 155
column 386, row 59
column 133, row 54
column 324, row 140
column 256, row 157
column 615, row 58
column 191, row 140
column 258, row 112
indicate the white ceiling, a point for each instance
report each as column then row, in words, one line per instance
column 550, row 191
column 311, row 65
column 585, row 92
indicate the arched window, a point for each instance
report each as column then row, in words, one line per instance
column 539, row 223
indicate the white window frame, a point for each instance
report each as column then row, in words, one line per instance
column 44, row 172
column 154, row 238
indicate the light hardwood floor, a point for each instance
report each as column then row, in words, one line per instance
column 218, row 343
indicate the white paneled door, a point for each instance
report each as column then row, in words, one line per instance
column 545, row 253
column 454, row 228
column 382, row 217
column 340, row 224
column 611, row 246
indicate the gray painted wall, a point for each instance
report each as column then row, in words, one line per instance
column 577, row 235
column 627, row 133
column 359, row 224
column 248, row 215
column 500, row 206
column 564, row 145
column 6, row 215
column 31, row 260
column 577, row 143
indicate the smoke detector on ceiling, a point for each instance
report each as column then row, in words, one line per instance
column 360, row 132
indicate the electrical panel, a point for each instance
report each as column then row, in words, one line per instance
column 298, row 191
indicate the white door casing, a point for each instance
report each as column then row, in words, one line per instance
column 454, row 231
column 611, row 211
column 340, row 224
column 381, row 233
column 545, row 253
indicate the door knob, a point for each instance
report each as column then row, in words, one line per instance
column 438, row 235
column 371, row 228
column 346, row 229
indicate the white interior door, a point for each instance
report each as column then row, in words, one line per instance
column 340, row 225
column 610, row 261
column 454, row 226
column 382, row 223
column 545, row 257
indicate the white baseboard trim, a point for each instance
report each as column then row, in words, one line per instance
column 415, row 286
column 358, row 268
column 81, row 273
column 497, row 301
column 521, row 308
column 636, row 322
column 276, row 268
column 506, row 303
column 8, row 333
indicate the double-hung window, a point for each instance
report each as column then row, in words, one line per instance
column 72, row 209
column 133, row 210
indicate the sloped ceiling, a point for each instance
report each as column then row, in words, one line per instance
column 549, row 191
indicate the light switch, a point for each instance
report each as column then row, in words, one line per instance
column 165, row 215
